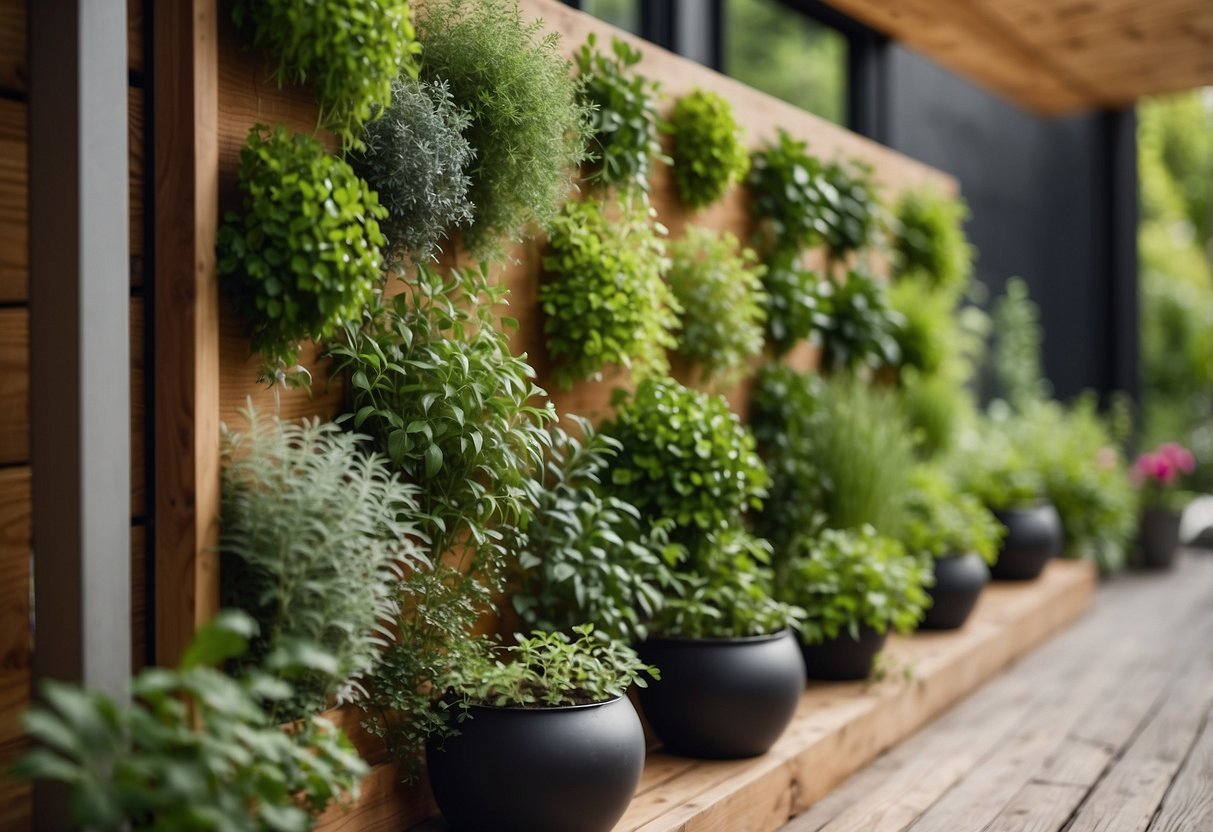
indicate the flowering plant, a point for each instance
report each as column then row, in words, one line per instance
column 1159, row 476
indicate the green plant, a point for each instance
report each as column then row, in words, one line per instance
column 929, row 240
column 195, row 750
column 1160, row 475
column 795, row 303
column 528, row 126
column 858, row 327
column 551, row 670
column 349, row 50
column 1016, row 355
column 989, row 463
column 943, row 521
column 720, row 291
column 623, row 115
column 685, row 457
column 927, row 333
column 303, row 257
column 314, row 537
column 936, row 408
column 416, row 158
column 785, row 183
column 709, row 155
column 850, row 212
column 589, row 556
column 847, row 579
column 603, row 298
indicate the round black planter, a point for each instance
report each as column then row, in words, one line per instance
column 722, row 698
column 844, row 659
column 959, row 580
column 571, row 769
column 1034, row 536
column 1158, row 537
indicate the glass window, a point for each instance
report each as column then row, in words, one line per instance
column 624, row 14
column 782, row 52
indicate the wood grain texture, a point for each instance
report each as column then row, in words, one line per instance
column 1189, row 803
column 14, row 385
column 15, row 510
column 14, row 199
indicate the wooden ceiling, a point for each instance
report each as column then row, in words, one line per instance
column 1056, row 56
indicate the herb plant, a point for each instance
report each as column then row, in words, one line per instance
column 603, row 298
column 936, row 408
column 709, row 154
column 990, row 464
column 528, row 125
column 796, row 304
column 720, row 291
column 623, row 115
column 1159, row 476
column 350, row 51
column 1017, row 341
column 858, row 327
column 942, row 521
column 850, row 213
column 927, row 334
column 786, row 186
column 416, row 158
column 929, row 241
column 304, row 256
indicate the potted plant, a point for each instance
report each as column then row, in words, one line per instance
column 544, row 738
column 854, row 586
column 1158, row 476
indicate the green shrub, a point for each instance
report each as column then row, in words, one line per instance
column 927, row 333
column 795, row 304
column 942, row 521
column 603, row 298
column 858, row 327
column 720, row 291
column 929, row 240
column 850, row 212
column 709, row 156
column 416, row 158
column 303, row 257
column 785, row 185
column 350, row 51
column 990, row 464
column 1017, row 340
column 528, row 127
column 936, row 408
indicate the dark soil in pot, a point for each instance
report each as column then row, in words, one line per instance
column 1034, row 535
column 571, row 769
column 844, row 659
column 959, row 580
column 722, row 698
column 1158, row 537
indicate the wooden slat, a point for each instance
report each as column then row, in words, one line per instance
column 136, row 97
column 15, row 797
column 138, row 596
column 14, row 599
column 14, row 199
column 14, row 385
column 138, row 410
column 1189, row 803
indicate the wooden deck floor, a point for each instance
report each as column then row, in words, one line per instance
column 1104, row 729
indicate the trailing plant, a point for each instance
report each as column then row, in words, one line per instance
column 528, row 125
column 990, row 464
column 858, row 327
column 416, row 158
column 552, row 670
column 303, row 256
column 786, row 187
column 315, row 534
column 850, row 212
column 1159, row 477
column 623, row 115
column 350, row 51
column 590, row 556
column 796, row 306
column 719, row 289
column 603, row 298
column 929, row 241
column 1017, row 341
column 847, row 579
column 686, row 458
column 195, row 749
column 943, row 521
column 709, row 154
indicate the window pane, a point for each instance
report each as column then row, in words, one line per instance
column 787, row 54
column 624, row 14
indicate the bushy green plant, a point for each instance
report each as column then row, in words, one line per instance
column 623, row 115
column 195, row 750
column 416, row 158
column 943, row 521
column 989, row 464
column 315, row 534
column 936, row 408
column 795, row 305
column 1017, row 340
column 858, row 327
column 927, row 333
column 719, row 288
column 350, row 51
column 603, row 298
column 551, row 670
column 303, row 256
column 850, row 212
column 686, row 458
column 709, row 154
column 786, row 187
column 528, row 126
column 846, row 579
column 590, row 556
column 929, row 240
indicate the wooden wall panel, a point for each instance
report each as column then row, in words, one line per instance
column 14, row 199
column 14, row 598
column 14, row 385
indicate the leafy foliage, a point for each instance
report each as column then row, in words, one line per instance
column 709, row 156
column 303, row 257
column 929, row 241
column 416, row 158
column 990, row 464
column 786, row 187
column 927, row 334
column 1160, row 476
column 196, row 750
column 845, row 579
column 720, row 292
column 942, row 521
column 528, row 127
column 1016, row 354
column 623, row 115
column 936, row 408
column 795, row 302
column 850, row 212
column 349, row 50
column 604, row 299
column 858, row 327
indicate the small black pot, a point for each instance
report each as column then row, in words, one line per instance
column 1158, row 537
column 842, row 658
column 571, row 769
column 722, row 698
column 1034, row 535
column 959, row 580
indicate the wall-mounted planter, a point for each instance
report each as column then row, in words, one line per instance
column 959, row 580
column 1034, row 535
column 843, row 658
column 1158, row 537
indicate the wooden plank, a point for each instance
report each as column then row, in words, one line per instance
column 14, row 385
column 14, row 198
column 1189, row 803
column 138, row 409
column 138, row 596
column 135, row 140
column 15, row 797
column 14, row 599
column 1038, row 807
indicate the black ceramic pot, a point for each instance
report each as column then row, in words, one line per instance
column 959, row 580
column 1158, row 537
column 722, row 698
column 571, row 769
column 843, row 658
column 1034, row 536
